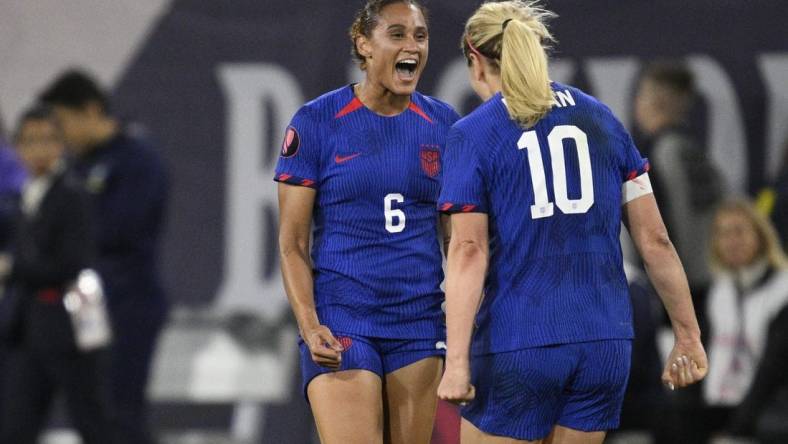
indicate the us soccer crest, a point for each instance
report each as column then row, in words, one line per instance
column 430, row 156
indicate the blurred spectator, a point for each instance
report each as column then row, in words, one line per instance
column 686, row 184
column 779, row 213
column 128, row 180
column 53, row 242
column 12, row 176
column 746, row 311
column 769, row 389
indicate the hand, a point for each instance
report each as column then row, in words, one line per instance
column 686, row 364
column 326, row 351
column 455, row 386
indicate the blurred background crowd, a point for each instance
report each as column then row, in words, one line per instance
column 138, row 139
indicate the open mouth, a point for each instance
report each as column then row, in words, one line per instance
column 406, row 68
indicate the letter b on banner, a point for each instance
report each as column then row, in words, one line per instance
column 259, row 100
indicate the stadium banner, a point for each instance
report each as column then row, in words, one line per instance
column 216, row 84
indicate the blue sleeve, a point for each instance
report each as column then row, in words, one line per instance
column 463, row 189
column 299, row 159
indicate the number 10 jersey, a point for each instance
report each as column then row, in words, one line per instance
column 376, row 255
column 553, row 194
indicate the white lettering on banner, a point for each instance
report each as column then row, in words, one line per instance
column 774, row 68
column 727, row 146
column 611, row 79
column 562, row 70
column 251, row 204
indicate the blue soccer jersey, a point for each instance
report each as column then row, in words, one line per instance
column 376, row 255
column 553, row 194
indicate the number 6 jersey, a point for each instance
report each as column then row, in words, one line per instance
column 377, row 259
column 553, row 194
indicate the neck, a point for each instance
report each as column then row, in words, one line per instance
column 494, row 83
column 750, row 274
column 379, row 99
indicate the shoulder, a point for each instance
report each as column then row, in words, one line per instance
column 438, row 110
column 133, row 151
column 324, row 108
column 573, row 99
column 780, row 278
column 484, row 120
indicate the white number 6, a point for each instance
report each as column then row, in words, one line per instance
column 392, row 214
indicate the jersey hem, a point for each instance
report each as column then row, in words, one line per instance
column 475, row 350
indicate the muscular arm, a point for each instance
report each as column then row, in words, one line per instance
column 666, row 273
column 467, row 266
column 295, row 219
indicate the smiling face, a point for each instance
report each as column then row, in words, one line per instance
column 397, row 49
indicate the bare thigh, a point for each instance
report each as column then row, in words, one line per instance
column 411, row 400
column 565, row 435
column 348, row 407
column 469, row 434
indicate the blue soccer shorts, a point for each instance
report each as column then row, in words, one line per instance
column 378, row 355
column 522, row 394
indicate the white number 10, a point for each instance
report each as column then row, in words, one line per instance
column 542, row 206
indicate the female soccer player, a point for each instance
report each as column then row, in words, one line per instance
column 362, row 164
column 539, row 178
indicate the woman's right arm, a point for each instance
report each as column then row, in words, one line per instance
column 295, row 220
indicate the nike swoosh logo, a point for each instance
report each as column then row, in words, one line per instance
column 343, row 159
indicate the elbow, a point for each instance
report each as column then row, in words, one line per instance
column 657, row 246
column 470, row 250
column 289, row 245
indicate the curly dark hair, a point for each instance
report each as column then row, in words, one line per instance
column 367, row 18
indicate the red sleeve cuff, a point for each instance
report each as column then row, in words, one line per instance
column 295, row 180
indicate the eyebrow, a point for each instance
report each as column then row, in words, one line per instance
column 400, row 27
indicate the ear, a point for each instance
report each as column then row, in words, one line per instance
column 477, row 69
column 364, row 46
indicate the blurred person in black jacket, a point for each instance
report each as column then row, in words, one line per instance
column 779, row 214
column 52, row 243
column 129, row 183
column 686, row 183
column 12, row 176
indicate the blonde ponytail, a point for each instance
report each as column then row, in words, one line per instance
column 510, row 35
column 524, row 78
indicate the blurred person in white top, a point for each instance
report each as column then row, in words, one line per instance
column 749, row 288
